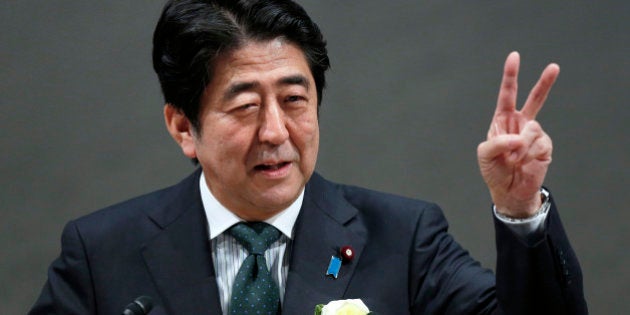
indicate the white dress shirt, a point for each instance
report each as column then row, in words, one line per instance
column 228, row 254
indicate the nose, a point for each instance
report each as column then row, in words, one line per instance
column 273, row 128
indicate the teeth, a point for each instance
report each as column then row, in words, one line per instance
column 272, row 167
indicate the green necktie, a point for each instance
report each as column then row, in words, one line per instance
column 254, row 291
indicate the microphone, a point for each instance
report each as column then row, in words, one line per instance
column 142, row 305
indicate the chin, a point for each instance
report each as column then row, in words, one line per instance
column 279, row 198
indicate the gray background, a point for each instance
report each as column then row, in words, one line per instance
column 411, row 93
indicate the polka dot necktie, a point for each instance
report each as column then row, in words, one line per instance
column 254, row 291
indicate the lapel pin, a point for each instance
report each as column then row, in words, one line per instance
column 347, row 254
column 333, row 267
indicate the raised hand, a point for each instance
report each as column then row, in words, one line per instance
column 515, row 157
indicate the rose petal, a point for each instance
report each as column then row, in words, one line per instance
column 347, row 307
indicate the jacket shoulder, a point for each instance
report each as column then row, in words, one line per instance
column 387, row 207
column 160, row 207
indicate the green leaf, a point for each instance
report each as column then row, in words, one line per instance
column 318, row 309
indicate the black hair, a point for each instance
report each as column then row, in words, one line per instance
column 191, row 34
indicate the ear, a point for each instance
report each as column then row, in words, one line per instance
column 180, row 129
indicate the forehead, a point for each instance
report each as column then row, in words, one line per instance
column 259, row 61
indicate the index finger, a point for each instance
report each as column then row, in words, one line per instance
column 539, row 92
column 509, row 85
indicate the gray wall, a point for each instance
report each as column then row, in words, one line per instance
column 410, row 95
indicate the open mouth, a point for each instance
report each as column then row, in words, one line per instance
column 271, row 167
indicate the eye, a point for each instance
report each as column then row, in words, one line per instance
column 294, row 98
column 245, row 107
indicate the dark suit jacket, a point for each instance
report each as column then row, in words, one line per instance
column 405, row 261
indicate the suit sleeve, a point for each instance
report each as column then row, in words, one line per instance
column 444, row 279
column 541, row 276
column 68, row 289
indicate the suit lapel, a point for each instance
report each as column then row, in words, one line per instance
column 326, row 223
column 179, row 257
column 180, row 261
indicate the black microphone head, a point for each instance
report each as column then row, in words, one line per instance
column 140, row 306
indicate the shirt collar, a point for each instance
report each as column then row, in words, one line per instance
column 221, row 218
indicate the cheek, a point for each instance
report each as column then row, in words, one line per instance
column 224, row 143
column 233, row 147
column 305, row 130
column 306, row 138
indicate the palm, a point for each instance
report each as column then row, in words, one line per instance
column 515, row 157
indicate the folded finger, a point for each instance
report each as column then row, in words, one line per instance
column 498, row 145
column 540, row 149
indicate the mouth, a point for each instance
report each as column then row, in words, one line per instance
column 271, row 166
column 274, row 170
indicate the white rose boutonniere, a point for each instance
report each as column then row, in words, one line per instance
column 343, row 307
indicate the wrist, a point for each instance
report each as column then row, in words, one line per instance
column 541, row 206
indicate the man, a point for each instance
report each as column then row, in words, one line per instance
column 242, row 82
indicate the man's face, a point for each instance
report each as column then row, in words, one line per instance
column 259, row 130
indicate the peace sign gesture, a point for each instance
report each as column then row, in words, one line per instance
column 515, row 157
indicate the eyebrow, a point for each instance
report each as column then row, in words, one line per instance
column 237, row 88
column 240, row 87
column 297, row 79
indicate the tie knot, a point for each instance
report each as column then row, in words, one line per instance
column 255, row 236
